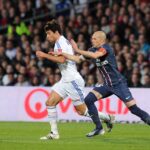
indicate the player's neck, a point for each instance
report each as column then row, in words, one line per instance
column 58, row 37
column 102, row 43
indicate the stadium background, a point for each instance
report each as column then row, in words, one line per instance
column 126, row 23
column 21, row 33
column 25, row 81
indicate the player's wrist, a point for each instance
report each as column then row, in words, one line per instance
column 78, row 50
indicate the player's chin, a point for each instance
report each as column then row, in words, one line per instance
column 95, row 45
column 50, row 40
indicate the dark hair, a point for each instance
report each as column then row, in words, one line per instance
column 53, row 26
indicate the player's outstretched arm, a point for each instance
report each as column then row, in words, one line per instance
column 75, row 58
column 85, row 53
column 57, row 59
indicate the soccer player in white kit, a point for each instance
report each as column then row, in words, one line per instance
column 71, row 83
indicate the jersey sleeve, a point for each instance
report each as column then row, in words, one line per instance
column 92, row 49
column 100, row 49
column 103, row 50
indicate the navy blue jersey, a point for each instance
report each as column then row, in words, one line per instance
column 107, row 65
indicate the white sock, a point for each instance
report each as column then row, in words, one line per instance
column 103, row 116
column 52, row 115
column 86, row 113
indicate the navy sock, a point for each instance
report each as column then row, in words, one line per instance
column 140, row 113
column 92, row 110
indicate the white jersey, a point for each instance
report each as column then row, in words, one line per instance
column 68, row 69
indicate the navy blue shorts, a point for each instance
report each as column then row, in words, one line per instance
column 120, row 89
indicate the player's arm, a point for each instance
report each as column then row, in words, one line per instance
column 76, row 58
column 101, row 52
column 57, row 58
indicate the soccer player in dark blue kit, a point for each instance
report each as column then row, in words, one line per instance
column 114, row 83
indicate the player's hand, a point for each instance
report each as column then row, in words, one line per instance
column 74, row 45
column 40, row 54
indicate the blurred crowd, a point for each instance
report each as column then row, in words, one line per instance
column 126, row 23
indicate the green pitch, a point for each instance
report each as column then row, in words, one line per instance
column 25, row 136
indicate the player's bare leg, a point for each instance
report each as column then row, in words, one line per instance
column 51, row 103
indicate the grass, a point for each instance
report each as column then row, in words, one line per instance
column 25, row 136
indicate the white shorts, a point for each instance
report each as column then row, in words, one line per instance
column 73, row 89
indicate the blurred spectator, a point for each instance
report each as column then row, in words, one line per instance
column 35, row 81
column 23, row 10
column 41, row 7
column 126, row 24
column 7, row 78
column 90, row 81
column 120, row 67
column 85, row 70
column 21, row 81
column 50, row 80
column 140, row 60
column 18, row 27
column 80, row 41
column 4, row 18
column 57, row 77
column 12, row 13
column 104, row 25
column 11, row 79
column 62, row 7
column 146, row 81
column 144, row 47
column 1, row 75
column 128, row 70
column 135, row 81
column 10, row 50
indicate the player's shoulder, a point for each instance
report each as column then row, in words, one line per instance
column 92, row 49
column 63, row 40
column 60, row 43
column 63, row 44
column 107, row 47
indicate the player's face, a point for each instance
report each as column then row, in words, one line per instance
column 95, row 40
column 50, row 36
